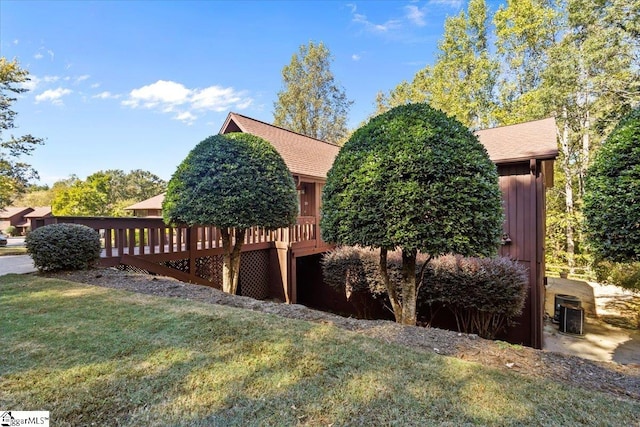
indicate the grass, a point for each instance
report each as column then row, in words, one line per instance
column 12, row 250
column 97, row 356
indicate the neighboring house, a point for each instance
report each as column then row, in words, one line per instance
column 151, row 207
column 37, row 217
column 23, row 218
column 14, row 217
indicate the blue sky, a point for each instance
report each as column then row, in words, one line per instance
column 137, row 84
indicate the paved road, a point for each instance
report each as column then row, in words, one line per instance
column 19, row 264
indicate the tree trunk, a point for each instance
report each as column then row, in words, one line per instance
column 396, row 305
column 231, row 259
column 409, row 294
column 568, row 188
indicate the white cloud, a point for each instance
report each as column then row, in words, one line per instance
column 32, row 83
column 38, row 55
column 50, row 79
column 82, row 78
column 53, row 95
column 106, row 95
column 95, row 85
column 186, row 117
column 451, row 3
column 171, row 97
column 16, row 41
column 355, row 57
column 51, row 54
column 391, row 24
column 415, row 15
column 165, row 94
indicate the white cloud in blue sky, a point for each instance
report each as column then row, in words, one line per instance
column 186, row 104
column 53, row 95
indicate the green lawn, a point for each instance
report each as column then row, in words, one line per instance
column 12, row 250
column 96, row 356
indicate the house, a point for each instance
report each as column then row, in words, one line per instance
column 151, row 207
column 284, row 264
column 14, row 217
column 37, row 216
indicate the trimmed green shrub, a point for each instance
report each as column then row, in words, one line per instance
column 63, row 247
column 484, row 294
column 415, row 180
column 11, row 231
column 612, row 192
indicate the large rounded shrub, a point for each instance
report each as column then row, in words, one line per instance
column 63, row 247
column 612, row 194
column 416, row 180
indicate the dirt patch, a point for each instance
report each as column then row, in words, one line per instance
column 620, row 380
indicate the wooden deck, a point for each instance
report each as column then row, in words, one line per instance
column 193, row 254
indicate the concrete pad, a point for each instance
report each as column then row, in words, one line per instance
column 18, row 264
column 601, row 341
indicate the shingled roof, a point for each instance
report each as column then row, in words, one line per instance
column 303, row 155
column 524, row 141
column 154, row 202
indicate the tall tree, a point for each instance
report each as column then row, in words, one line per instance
column 413, row 179
column 311, row 102
column 15, row 175
column 591, row 79
column 463, row 78
column 233, row 182
column 525, row 31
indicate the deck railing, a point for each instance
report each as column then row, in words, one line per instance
column 149, row 236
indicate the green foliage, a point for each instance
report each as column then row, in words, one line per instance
column 623, row 274
column 484, row 294
column 104, row 193
column 232, row 181
column 311, row 102
column 612, row 194
column 15, row 175
column 63, row 247
column 11, row 230
column 415, row 179
column 462, row 80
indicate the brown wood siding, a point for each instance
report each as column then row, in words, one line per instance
column 523, row 191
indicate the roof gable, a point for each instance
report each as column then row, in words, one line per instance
column 11, row 211
column 520, row 142
column 303, row 155
column 39, row 212
column 154, row 202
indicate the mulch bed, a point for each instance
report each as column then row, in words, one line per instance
column 612, row 378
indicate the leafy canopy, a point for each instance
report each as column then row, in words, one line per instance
column 233, row 181
column 416, row 179
column 15, row 174
column 311, row 102
column 612, row 194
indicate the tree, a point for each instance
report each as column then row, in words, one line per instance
column 233, row 182
column 15, row 175
column 612, row 194
column 591, row 80
column 462, row 81
column 104, row 193
column 525, row 31
column 311, row 102
column 413, row 179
